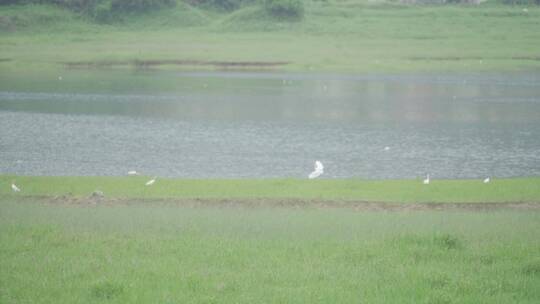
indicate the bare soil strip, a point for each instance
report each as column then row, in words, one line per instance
column 282, row 203
column 458, row 58
column 155, row 63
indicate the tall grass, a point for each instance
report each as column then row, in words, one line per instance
column 150, row 253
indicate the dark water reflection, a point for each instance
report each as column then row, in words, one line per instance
column 270, row 125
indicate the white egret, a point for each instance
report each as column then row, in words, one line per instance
column 15, row 188
column 319, row 170
column 386, row 148
column 151, row 182
column 133, row 172
column 426, row 180
column 487, row 180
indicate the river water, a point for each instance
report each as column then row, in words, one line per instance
column 263, row 125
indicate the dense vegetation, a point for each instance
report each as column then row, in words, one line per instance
column 105, row 11
column 339, row 36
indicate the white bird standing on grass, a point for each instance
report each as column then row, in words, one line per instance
column 487, row 180
column 151, row 182
column 319, row 170
column 426, row 180
column 15, row 188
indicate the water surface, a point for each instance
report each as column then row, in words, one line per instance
column 236, row 125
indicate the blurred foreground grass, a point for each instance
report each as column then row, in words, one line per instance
column 153, row 253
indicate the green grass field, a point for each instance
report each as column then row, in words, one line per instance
column 154, row 253
column 150, row 251
column 345, row 36
column 396, row 191
column 143, row 250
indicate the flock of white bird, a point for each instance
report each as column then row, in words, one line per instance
column 318, row 171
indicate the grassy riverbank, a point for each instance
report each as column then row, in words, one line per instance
column 60, row 246
column 332, row 36
column 398, row 191
column 53, row 253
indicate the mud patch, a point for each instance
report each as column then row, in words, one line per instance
column 532, row 58
column 147, row 64
column 463, row 58
column 443, row 58
column 283, row 203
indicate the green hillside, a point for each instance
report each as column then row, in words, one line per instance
column 347, row 36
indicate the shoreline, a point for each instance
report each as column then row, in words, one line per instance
column 295, row 192
column 287, row 203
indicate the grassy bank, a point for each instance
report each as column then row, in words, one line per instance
column 332, row 36
column 162, row 254
column 499, row 190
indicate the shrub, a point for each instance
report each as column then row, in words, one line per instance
column 447, row 241
column 285, row 8
column 532, row 268
column 106, row 290
column 140, row 5
column 227, row 5
column 521, row 2
column 102, row 10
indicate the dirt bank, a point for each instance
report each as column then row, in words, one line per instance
column 146, row 64
column 282, row 203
